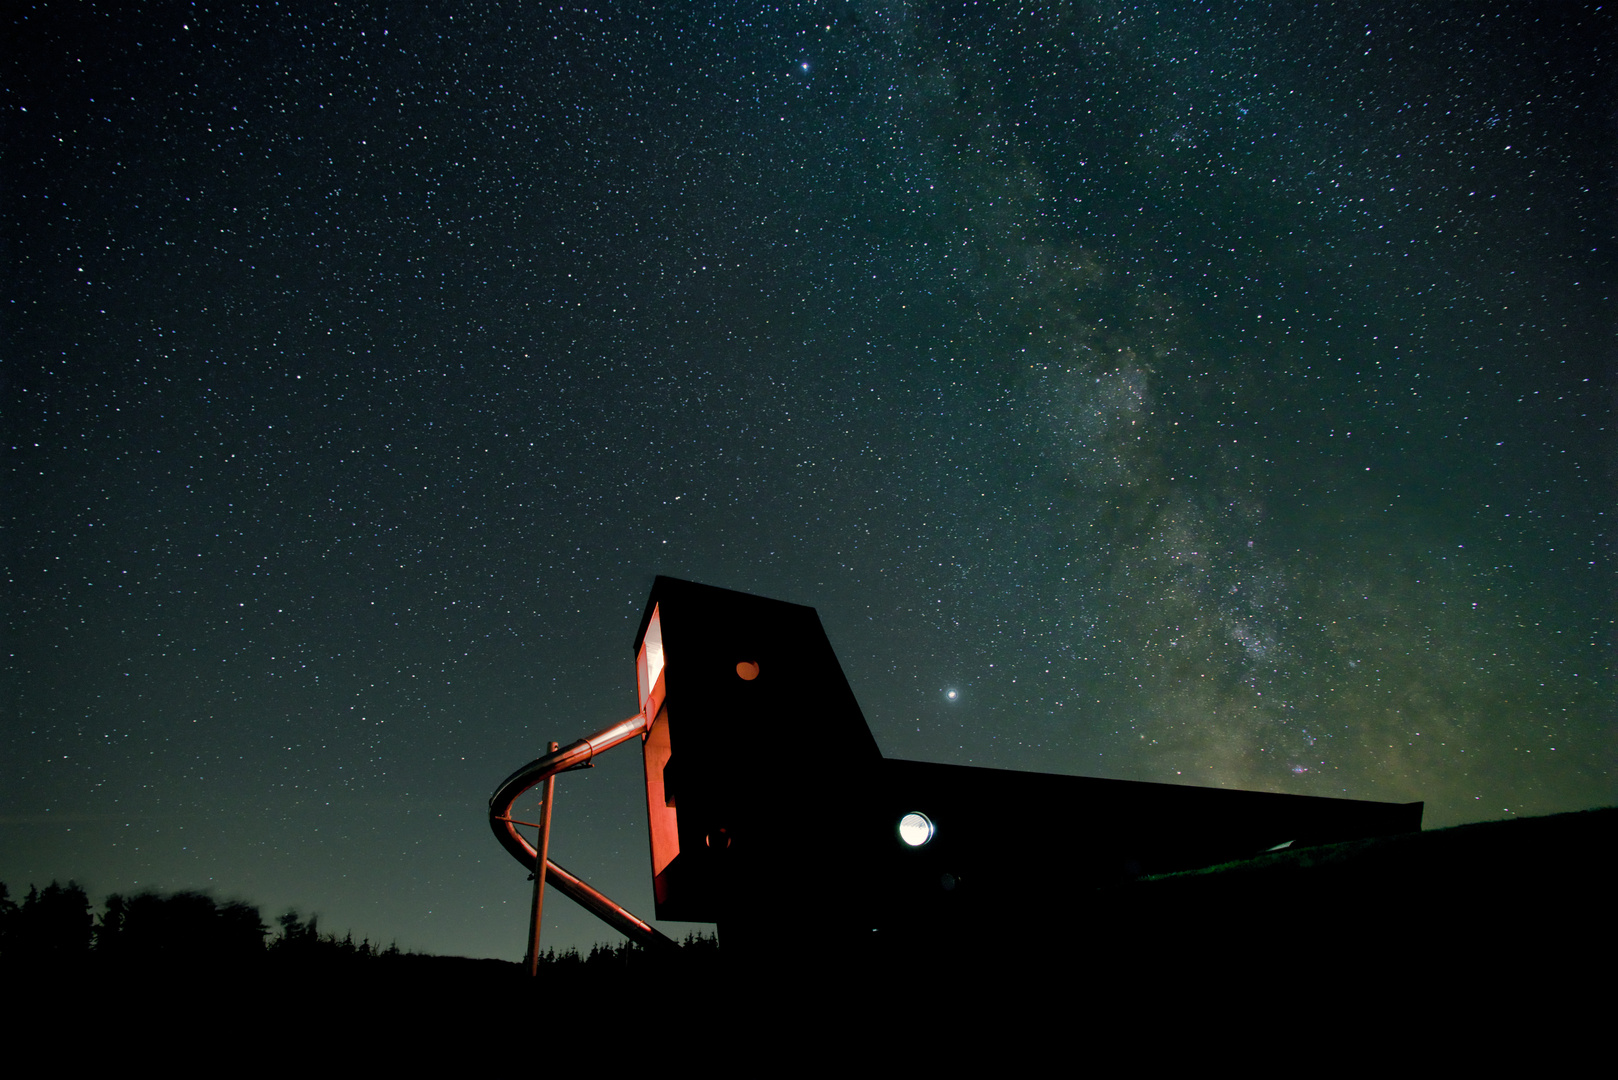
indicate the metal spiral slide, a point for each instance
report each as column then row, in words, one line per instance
column 577, row 755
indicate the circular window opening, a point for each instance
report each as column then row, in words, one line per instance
column 915, row 828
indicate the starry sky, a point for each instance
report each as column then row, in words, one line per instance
column 1214, row 394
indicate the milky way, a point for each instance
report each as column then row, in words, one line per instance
column 1216, row 395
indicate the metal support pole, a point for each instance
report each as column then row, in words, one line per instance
column 543, row 847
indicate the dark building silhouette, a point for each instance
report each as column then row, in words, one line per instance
column 770, row 805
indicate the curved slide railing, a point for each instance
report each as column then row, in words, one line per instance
column 577, row 755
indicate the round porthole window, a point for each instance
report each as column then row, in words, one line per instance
column 915, row 828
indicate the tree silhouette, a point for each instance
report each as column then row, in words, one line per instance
column 185, row 928
column 51, row 927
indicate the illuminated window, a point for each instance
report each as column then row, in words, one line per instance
column 650, row 664
column 915, row 828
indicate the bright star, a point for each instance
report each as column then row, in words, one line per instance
column 804, row 65
column 950, row 694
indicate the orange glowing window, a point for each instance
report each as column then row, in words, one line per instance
column 650, row 663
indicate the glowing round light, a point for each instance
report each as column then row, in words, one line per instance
column 915, row 828
column 748, row 670
column 951, row 694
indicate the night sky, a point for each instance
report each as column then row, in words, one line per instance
column 1214, row 394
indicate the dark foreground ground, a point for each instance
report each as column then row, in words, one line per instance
column 1497, row 934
